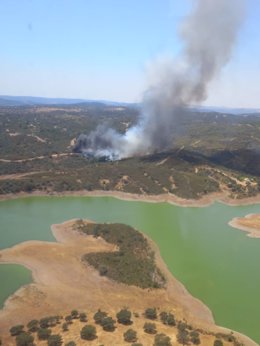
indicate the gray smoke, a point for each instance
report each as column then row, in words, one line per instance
column 209, row 34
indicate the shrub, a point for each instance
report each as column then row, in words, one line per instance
column 55, row 340
column 83, row 317
column 68, row 319
column 162, row 340
column 33, row 326
column 124, row 317
column 167, row 318
column 99, row 315
column 65, row 327
column 16, row 330
column 130, row 335
column 150, row 328
column 88, row 332
column 74, row 314
column 183, row 337
column 218, row 342
column 44, row 333
column 194, row 337
column 108, row 324
column 24, row 339
column 151, row 313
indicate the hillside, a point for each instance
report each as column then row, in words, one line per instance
column 212, row 152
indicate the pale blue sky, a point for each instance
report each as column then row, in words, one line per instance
column 99, row 49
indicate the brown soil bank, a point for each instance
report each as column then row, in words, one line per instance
column 250, row 224
column 62, row 282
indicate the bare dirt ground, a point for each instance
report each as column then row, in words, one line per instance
column 167, row 197
column 62, row 282
column 250, row 224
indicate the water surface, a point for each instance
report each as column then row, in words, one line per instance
column 217, row 264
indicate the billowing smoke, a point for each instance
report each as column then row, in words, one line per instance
column 208, row 35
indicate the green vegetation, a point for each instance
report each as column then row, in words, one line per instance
column 162, row 340
column 150, row 328
column 24, row 339
column 130, row 335
column 55, row 340
column 186, row 334
column 132, row 264
column 88, row 332
column 124, row 317
column 151, row 313
column 210, row 150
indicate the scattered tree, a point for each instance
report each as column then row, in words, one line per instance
column 68, row 319
column 88, row 332
column 124, row 317
column 44, row 333
column 74, row 314
column 167, row 318
column 65, row 327
column 16, row 330
column 183, row 337
column 99, row 315
column 151, row 313
column 150, row 328
column 24, row 339
column 130, row 335
column 162, row 340
column 194, row 337
column 108, row 324
column 83, row 317
column 55, row 340
column 33, row 326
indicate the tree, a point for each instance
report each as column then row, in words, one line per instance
column 99, row 315
column 151, row 313
column 124, row 317
column 44, row 333
column 33, row 326
column 194, row 337
column 83, row 317
column 162, row 340
column 16, row 330
column 70, row 343
column 130, row 335
column 88, row 332
column 218, row 342
column 55, row 340
column 150, row 328
column 24, row 339
column 65, row 327
column 167, row 318
column 108, row 324
column 68, row 319
column 74, row 314
column 183, row 337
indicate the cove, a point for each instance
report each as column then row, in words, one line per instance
column 217, row 264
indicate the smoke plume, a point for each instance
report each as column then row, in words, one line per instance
column 208, row 34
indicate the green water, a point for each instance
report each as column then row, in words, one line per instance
column 217, row 264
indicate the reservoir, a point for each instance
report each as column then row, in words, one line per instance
column 217, row 264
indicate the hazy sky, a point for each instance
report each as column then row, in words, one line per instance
column 102, row 49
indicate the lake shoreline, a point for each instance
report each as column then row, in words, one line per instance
column 237, row 223
column 176, row 294
column 204, row 201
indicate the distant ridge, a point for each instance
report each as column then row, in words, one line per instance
column 9, row 101
column 12, row 101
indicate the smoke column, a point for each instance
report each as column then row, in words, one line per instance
column 208, row 34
